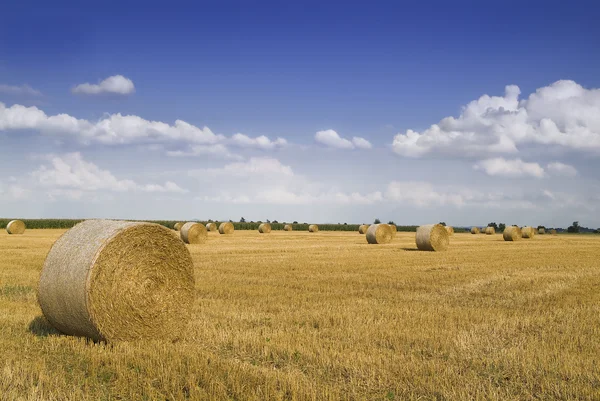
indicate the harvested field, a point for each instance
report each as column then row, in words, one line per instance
column 292, row 315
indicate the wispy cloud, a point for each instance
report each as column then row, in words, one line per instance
column 19, row 90
column 117, row 84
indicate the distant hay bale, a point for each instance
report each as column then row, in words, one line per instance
column 474, row 230
column 193, row 233
column 313, row 228
column 512, row 233
column 528, row 232
column 211, row 227
column 178, row 226
column 363, row 228
column 541, row 231
column 118, row 281
column 394, row 230
column 432, row 237
column 553, row 232
column 450, row 230
column 226, row 228
column 379, row 234
column 288, row 227
column 490, row 230
column 264, row 228
column 15, row 227
column 482, row 230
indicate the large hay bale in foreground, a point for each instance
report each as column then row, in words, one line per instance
column 15, row 227
column 117, row 280
column 193, row 233
column 363, row 228
column 432, row 237
column 211, row 227
column 394, row 230
column 490, row 230
column 512, row 233
column 474, row 230
column 264, row 228
column 226, row 228
column 528, row 232
column 450, row 230
column 313, row 228
column 178, row 226
column 379, row 234
column 288, row 227
column 541, row 231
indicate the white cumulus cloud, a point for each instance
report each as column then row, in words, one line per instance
column 501, row 167
column 563, row 114
column 260, row 142
column 117, row 84
column 558, row 168
column 332, row 139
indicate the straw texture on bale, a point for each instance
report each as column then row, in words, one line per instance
column 313, row 228
column 362, row 229
column 226, row 228
column 432, row 237
column 512, row 233
column 450, row 230
column 193, row 233
column 118, row 281
column 264, row 228
column 178, row 226
column 474, row 230
column 553, row 232
column 15, row 227
column 490, row 230
column 211, row 227
column 288, row 227
column 379, row 234
column 394, row 230
column 542, row 231
column 528, row 232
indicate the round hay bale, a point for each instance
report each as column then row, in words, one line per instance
column 15, row 227
column 553, row 232
column 379, row 234
column 394, row 230
column 482, row 230
column 313, row 228
column 490, row 230
column 264, row 228
column 450, row 230
column 226, row 228
column 542, row 231
column 288, row 227
column 512, row 233
column 193, row 233
column 528, row 232
column 363, row 228
column 118, row 281
column 432, row 237
column 474, row 230
column 211, row 227
column 178, row 226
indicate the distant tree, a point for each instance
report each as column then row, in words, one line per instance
column 493, row 225
column 345, row 224
column 231, row 221
column 242, row 220
column 391, row 222
column 275, row 222
column 268, row 221
column 541, row 228
column 574, row 228
column 294, row 222
column 501, row 227
column 443, row 223
column 377, row 221
column 597, row 231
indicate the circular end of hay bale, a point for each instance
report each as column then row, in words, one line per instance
column 474, row 230
column 118, row 281
column 432, row 237
column 490, row 230
column 15, row 227
column 288, row 227
column 379, row 234
column 313, row 228
column 528, row 232
column 394, row 230
column 512, row 233
column 362, row 229
column 211, row 227
column 226, row 228
column 178, row 226
column 264, row 228
column 193, row 233
column 450, row 230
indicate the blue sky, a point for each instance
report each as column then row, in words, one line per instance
column 290, row 71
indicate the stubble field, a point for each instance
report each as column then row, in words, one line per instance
column 295, row 315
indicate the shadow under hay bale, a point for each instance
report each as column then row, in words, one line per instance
column 42, row 328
